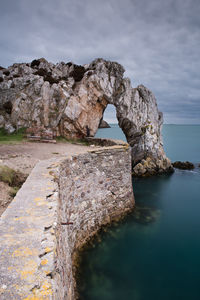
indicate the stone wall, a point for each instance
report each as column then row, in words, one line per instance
column 95, row 189
column 63, row 203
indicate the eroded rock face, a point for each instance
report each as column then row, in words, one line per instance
column 141, row 122
column 70, row 100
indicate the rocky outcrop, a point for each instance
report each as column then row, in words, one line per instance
column 103, row 124
column 184, row 165
column 70, row 101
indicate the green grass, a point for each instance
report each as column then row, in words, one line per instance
column 72, row 141
column 20, row 136
column 13, row 191
column 7, row 175
column 11, row 177
column 13, row 138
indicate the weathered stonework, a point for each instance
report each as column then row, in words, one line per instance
column 70, row 100
column 62, row 204
column 95, row 189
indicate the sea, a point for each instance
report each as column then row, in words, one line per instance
column 154, row 253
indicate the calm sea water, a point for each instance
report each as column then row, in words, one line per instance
column 154, row 254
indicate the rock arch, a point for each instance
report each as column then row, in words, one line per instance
column 70, row 100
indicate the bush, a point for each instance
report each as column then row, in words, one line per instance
column 78, row 73
column 11, row 177
column 7, row 175
column 6, row 72
column 13, row 191
column 46, row 75
column 41, row 72
column 35, row 62
column 8, row 107
column 69, row 64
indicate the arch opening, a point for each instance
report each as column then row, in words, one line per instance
column 114, row 132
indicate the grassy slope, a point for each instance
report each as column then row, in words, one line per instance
column 13, row 138
column 20, row 136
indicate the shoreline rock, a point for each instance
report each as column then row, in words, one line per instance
column 149, row 167
column 183, row 165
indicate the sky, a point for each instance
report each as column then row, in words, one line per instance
column 157, row 42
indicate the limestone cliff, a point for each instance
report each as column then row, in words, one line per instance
column 70, row 100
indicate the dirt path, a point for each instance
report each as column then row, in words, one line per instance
column 23, row 157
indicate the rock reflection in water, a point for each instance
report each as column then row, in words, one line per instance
column 145, row 215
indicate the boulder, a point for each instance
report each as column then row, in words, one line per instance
column 183, row 165
column 150, row 166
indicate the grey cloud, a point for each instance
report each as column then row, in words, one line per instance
column 156, row 41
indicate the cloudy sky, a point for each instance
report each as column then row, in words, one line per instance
column 157, row 41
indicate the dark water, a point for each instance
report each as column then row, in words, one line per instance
column 155, row 253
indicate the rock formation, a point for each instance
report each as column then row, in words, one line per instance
column 183, row 165
column 69, row 100
column 103, row 124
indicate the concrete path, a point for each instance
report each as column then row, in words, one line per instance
column 27, row 237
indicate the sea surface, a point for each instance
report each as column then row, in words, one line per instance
column 154, row 254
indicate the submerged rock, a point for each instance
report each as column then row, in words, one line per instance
column 70, row 100
column 184, row 165
column 103, row 124
column 145, row 215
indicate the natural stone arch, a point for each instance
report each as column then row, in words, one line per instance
column 137, row 113
column 70, row 100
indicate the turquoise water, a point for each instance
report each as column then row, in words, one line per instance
column 154, row 254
